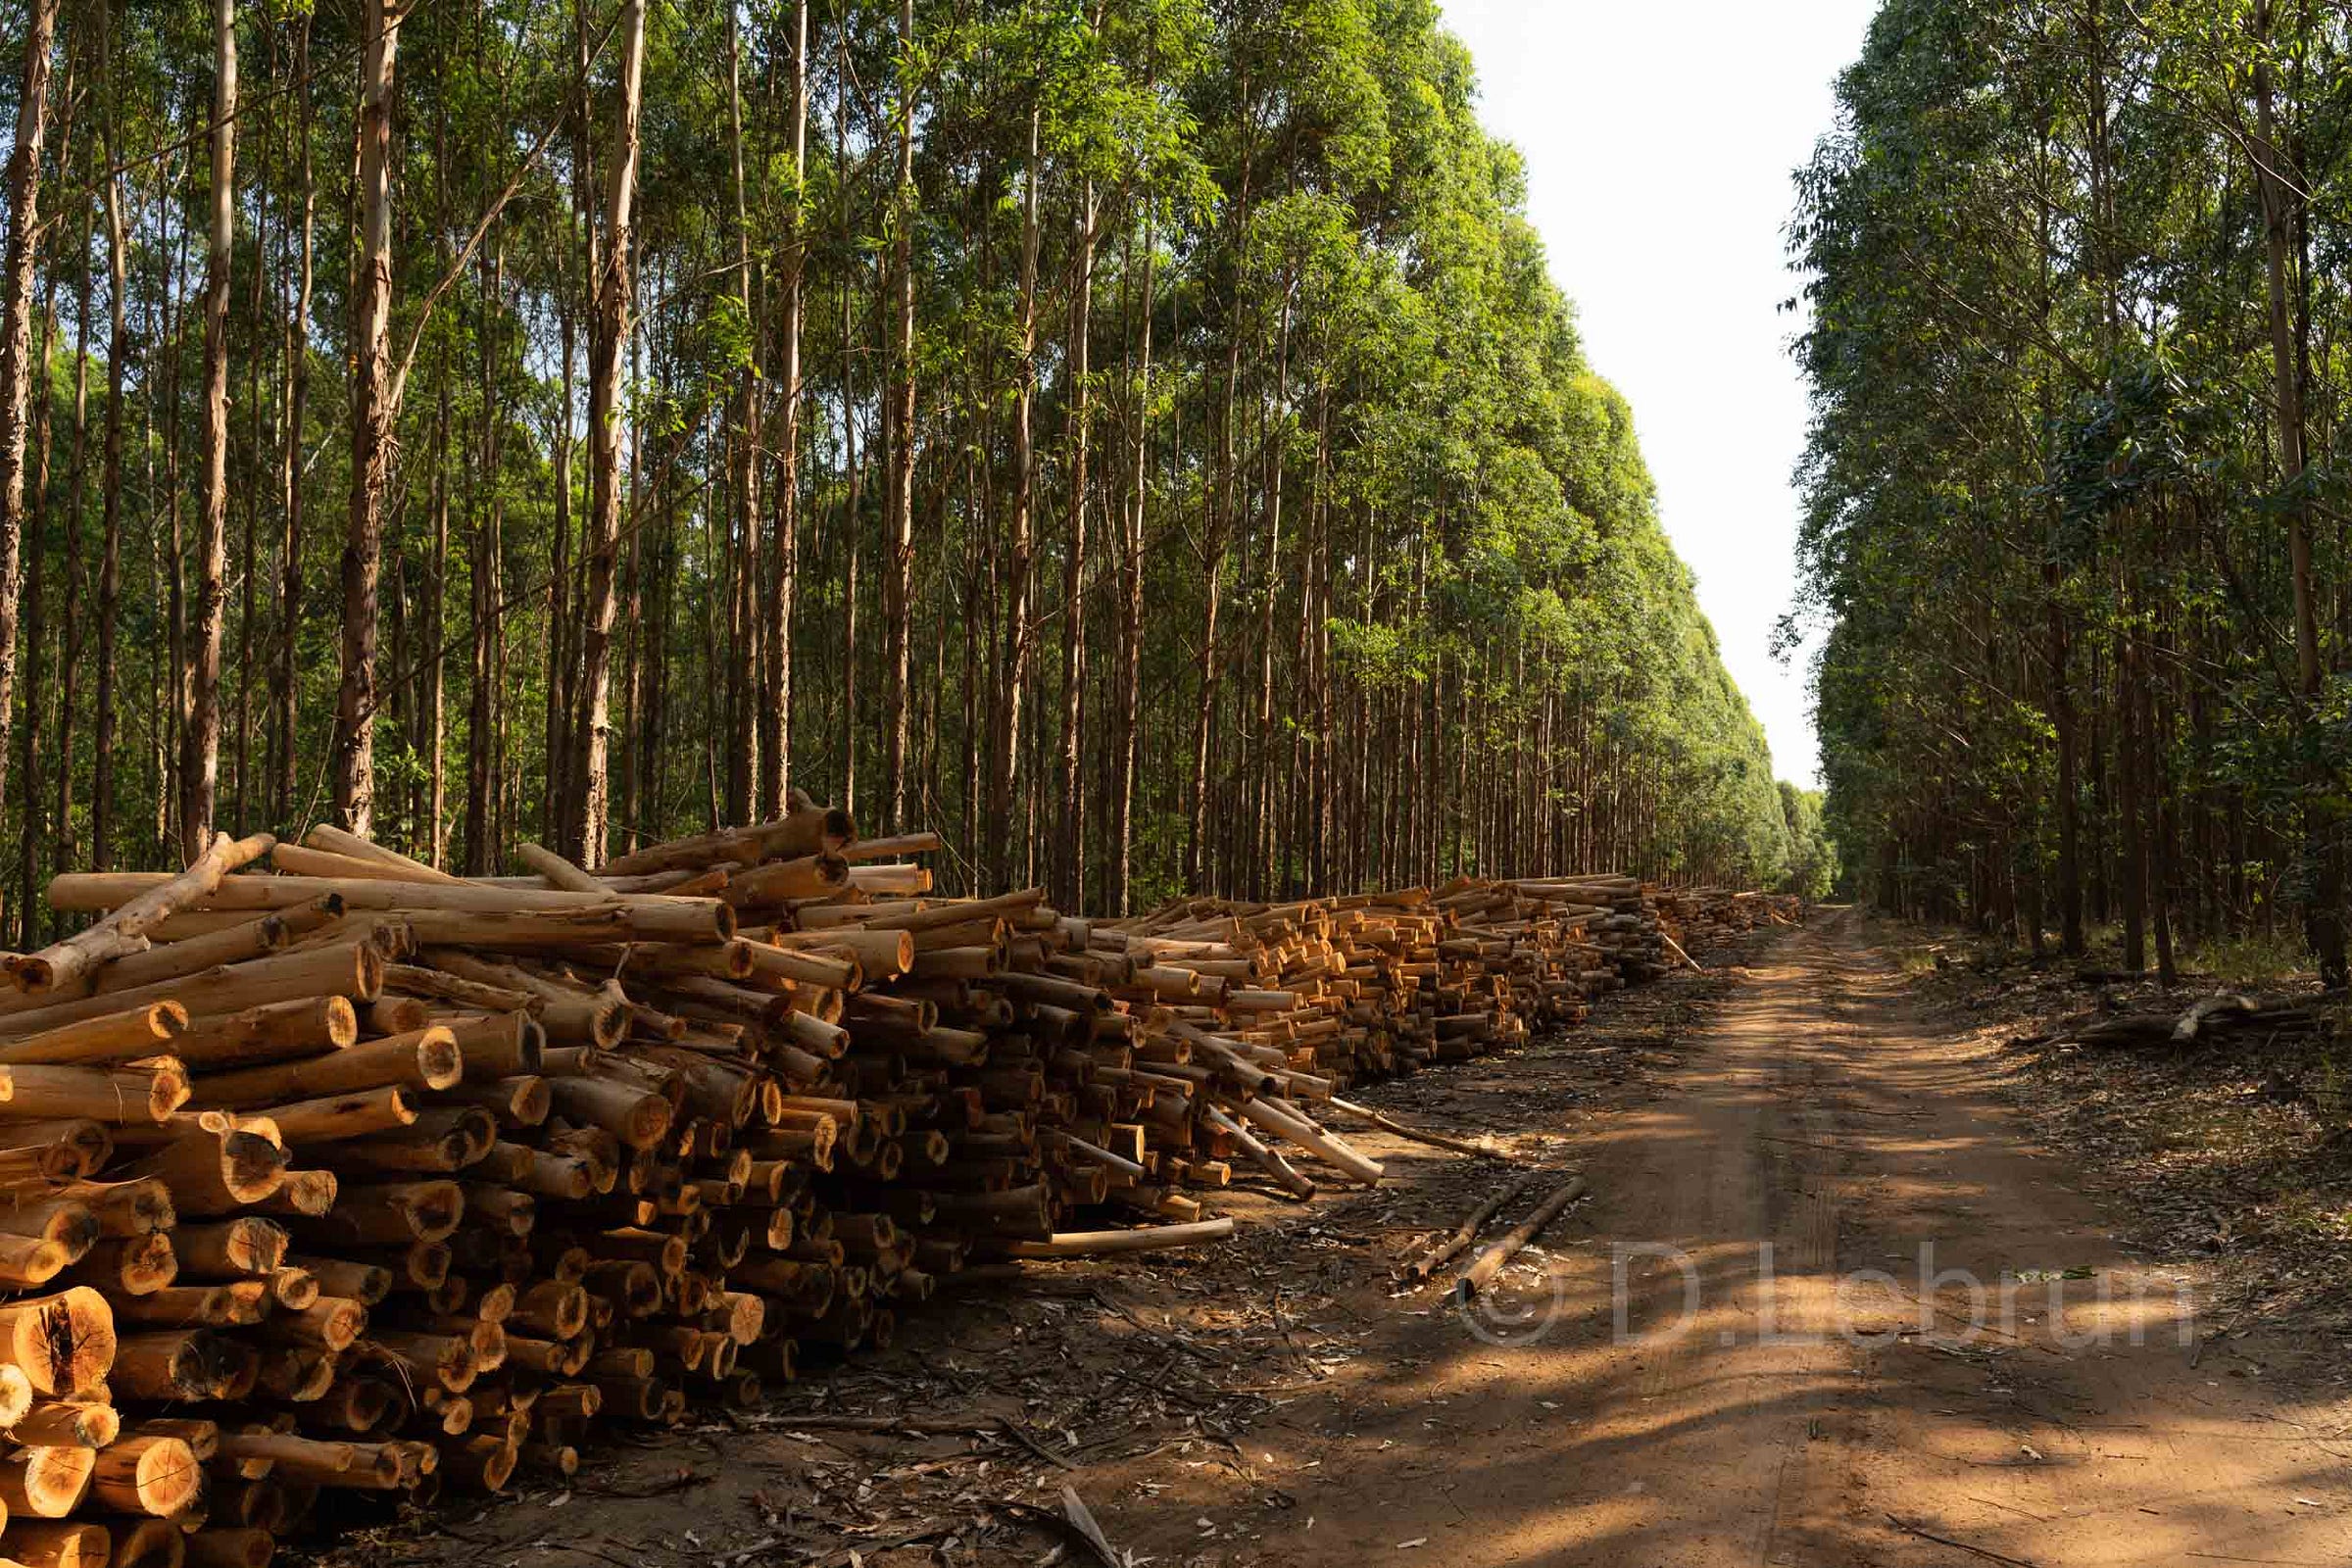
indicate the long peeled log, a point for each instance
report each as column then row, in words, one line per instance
column 1098, row 1244
column 1481, row 1274
column 335, row 841
column 64, row 964
column 1284, row 1173
column 1325, row 1147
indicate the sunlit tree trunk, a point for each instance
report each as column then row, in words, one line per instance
column 783, row 568
column 373, row 414
column 897, row 565
column 109, row 543
column 606, row 342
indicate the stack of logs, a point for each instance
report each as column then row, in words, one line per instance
column 1702, row 917
column 351, row 1176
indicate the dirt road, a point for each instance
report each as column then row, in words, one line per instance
column 1759, row 1140
column 1759, row 1412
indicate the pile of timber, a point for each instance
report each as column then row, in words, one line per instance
column 1703, row 917
column 349, row 1176
column 1370, row 985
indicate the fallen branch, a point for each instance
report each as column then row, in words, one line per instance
column 1909, row 1529
column 1490, row 1263
column 1452, row 1247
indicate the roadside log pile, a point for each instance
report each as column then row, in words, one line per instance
column 350, row 1176
column 1369, row 985
column 1696, row 917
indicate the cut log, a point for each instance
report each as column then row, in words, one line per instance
column 1100, row 1243
column 429, row 1059
column 157, row 1476
column 211, row 1175
column 65, row 963
column 302, row 1027
column 46, row 1482
column 1398, row 1129
column 66, row 1424
column 56, row 1544
column 126, row 1036
column 303, row 974
column 64, row 1344
column 114, row 1096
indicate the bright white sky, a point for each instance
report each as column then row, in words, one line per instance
column 1659, row 140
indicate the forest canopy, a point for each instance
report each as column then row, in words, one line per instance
column 2075, row 520
column 1139, row 439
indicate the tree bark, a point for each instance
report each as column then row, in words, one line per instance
column 594, row 740
column 783, row 579
column 1129, row 699
column 481, row 724
column 110, row 546
column 200, row 740
column 17, row 266
column 1012, row 675
column 746, row 685
column 63, row 855
column 298, row 392
column 37, row 623
column 898, row 580
column 2323, row 918
column 1070, row 858
column 374, row 418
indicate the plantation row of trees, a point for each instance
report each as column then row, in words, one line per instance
column 2077, row 516
column 1137, row 438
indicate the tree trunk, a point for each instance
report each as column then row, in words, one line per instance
column 63, row 855
column 16, row 336
column 298, row 391
column 200, row 740
column 556, row 725
column 110, row 546
column 37, row 623
column 1070, row 859
column 775, row 707
column 1129, row 700
column 481, row 724
column 853, row 497
column 594, row 740
column 1013, row 674
column 745, row 686
column 2323, row 918
column 374, row 418
column 898, row 580
column 1261, row 852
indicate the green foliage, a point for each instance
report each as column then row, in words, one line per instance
column 2048, row 496
column 1331, row 387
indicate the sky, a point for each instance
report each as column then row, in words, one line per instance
column 1659, row 139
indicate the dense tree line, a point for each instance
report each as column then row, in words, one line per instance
column 2077, row 514
column 1137, row 438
